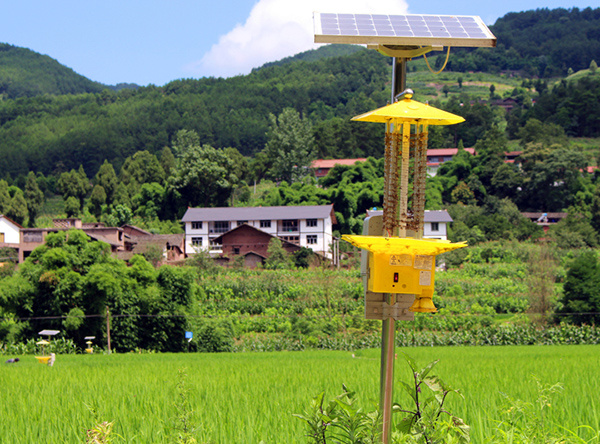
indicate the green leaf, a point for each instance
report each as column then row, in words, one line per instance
column 411, row 362
column 425, row 371
column 433, row 383
column 405, row 426
column 409, row 389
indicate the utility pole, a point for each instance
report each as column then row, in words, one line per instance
column 108, row 328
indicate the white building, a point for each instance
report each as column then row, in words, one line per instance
column 306, row 226
column 10, row 232
column 435, row 224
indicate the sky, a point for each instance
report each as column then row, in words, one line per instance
column 157, row 41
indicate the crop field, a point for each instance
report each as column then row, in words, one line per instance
column 250, row 397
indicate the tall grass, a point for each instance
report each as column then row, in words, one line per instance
column 250, row 397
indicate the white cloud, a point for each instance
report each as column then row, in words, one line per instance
column 277, row 29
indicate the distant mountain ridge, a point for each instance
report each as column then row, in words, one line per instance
column 313, row 55
column 26, row 73
column 542, row 42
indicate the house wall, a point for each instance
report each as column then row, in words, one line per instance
column 246, row 240
column 441, row 233
column 114, row 235
column 11, row 232
column 323, row 233
column 30, row 239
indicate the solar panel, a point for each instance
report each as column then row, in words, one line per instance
column 402, row 30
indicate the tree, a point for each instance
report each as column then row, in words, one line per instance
column 149, row 201
column 593, row 67
column 74, row 184
column 97, row 199
column 204, row 175
column 581, row 298
column 277, row 257
column 17, row 209
column 545, row 134
column 291, row 146
column 143, row 167
column 120, row 215
column 463, row 194
column 553, row 177
column 107, row 179
column 72, row 207
column 167, row 161
column 34, row 197
column 4, row 197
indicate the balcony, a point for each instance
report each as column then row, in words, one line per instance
column 288, row 226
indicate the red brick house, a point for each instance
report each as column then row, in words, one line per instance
column 250, row 242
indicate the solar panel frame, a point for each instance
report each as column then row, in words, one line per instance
column 402, row 30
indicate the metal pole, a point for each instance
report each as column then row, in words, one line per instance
column 388, row 328
column 398, row 76
column 108, row 328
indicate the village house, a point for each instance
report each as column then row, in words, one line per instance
column 435, row 224
column 9, row 235
column 322, row 166
column 124, row 241
column 31, row 238
column 437, row 156
column 545, row 220
column 251, row 243
column 305, row 226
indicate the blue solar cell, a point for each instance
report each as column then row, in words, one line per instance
column 399, row 25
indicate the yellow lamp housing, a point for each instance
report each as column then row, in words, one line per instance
column 403, row 265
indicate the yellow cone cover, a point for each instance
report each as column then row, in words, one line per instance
column 410, row 110
column 380, row 244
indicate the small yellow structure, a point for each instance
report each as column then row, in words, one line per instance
column 403, row 265
column 44, row 358
column 88, row 341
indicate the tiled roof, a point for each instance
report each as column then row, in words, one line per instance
column 258, row 213
column 10, row 220
column 330, row 163
column 447, row 151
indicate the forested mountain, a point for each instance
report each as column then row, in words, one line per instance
column 542, row 42
column 152, row 151
column 317, row 54
column 55, row 133
column 25, row 73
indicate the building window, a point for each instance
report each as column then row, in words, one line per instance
column 292, row 239
column 241, row 222
column 289, row 225
column 236, row 250
column 33, row 237
column 197, row 225
column 311, row 222
column 197, row 241
column 311, row 239
column 435, row 226
column 221, row 226
column 265, row 224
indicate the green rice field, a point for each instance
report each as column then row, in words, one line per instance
column 250, row 397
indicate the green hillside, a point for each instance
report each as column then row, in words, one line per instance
column 554, row 121
column 25, row 73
